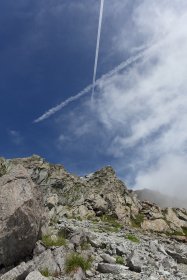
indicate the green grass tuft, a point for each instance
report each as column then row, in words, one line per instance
column 108, row 228
column 74, row 261
column 178, row 233
column 114, row 225
column 184, row 230
column 133, row 238
column 45, row 272
column 175, row 233
column 48, row 241
column 120, row 260
column 85, row 245
column 137, row 221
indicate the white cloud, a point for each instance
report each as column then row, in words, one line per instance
column 16, row 137
column 146, row 107
column 143, row 110
column 167, row 176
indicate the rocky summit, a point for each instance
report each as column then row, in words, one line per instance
column 56, row 225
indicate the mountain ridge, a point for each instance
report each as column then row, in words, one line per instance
column 91, row 209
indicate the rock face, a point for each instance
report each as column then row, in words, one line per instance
column 96, row 216
column 68, row 195
column 20, row 215
column 99, row 194
column 35, row 275
column 158, row 225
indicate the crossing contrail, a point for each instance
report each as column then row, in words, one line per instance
column 97, row 46
column 86, row 90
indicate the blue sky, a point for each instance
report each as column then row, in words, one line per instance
column 47, row 54
column 137, row 122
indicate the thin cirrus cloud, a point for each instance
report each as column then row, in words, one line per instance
column 15, row 137
column 144, row 109
column 149, row 103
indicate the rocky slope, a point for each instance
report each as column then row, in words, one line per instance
column 95, row 218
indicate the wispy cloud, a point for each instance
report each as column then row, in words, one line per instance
column 149, row 103
column 143, row 111
column 120, row 67
column 16, row 137
column 115, row 11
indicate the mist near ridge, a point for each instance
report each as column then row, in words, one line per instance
column 161, row 199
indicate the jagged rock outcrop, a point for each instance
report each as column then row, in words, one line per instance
column 20, row 215
column 96, row 195
column 99, row 218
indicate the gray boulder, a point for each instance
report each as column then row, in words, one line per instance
column 20, row 215
column 18, row 272
column 35, row 275
column 51, row 260
column 108, row 259
column 135, row 261
column 111, row 268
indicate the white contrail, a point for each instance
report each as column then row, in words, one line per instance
column 118, row 68
column 97, row 46
column 57, row 108
column 139, row 48
column 121, row 66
